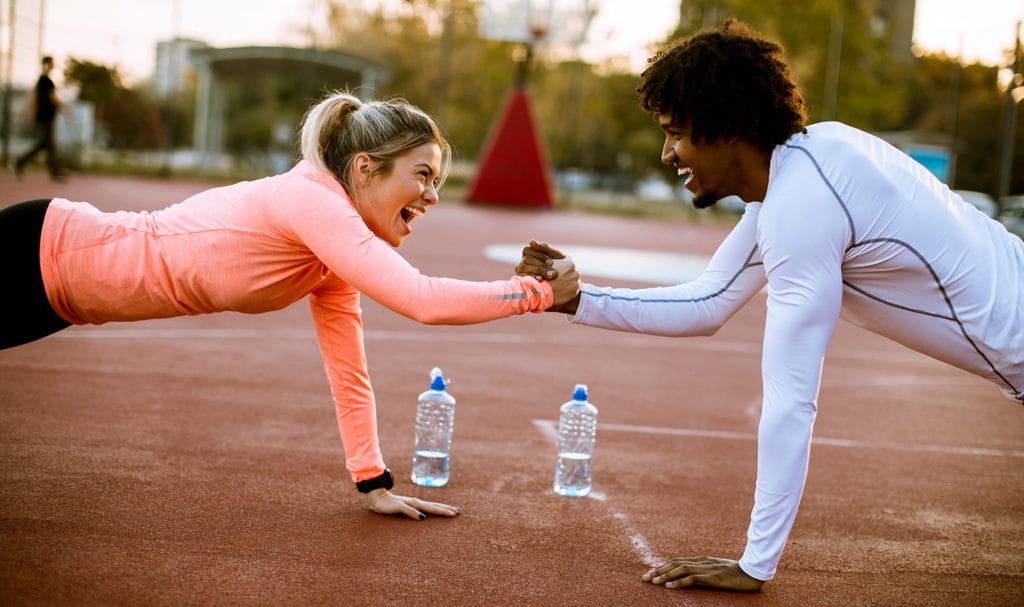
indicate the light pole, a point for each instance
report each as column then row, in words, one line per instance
column 442, row 82
column 1014, row 86
column 5, row 119
column 835, row 51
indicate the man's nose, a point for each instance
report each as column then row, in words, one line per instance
column 668, row 152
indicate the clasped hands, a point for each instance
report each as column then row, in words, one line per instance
column 544, row 262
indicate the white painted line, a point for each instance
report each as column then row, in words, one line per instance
column 753, row 410
column 176, row 334
column 829, row 442
column 566, row 338
column 550, row 429
column 639, row 542
column 658, row 267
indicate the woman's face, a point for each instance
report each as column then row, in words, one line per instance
column 388, row 203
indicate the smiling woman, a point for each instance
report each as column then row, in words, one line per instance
column 391, row 171
column 389, row 203
column 323, row 230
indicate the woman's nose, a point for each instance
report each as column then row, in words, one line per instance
column 430, row 194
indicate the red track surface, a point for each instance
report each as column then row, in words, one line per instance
column 196, row 461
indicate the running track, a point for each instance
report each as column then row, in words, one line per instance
column 196, row 461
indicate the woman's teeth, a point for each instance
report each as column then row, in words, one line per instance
column 410, row 213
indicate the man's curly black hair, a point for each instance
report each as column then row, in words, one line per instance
column 725, row 82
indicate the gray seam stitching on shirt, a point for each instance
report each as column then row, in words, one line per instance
column 916, row 253
column 747, row 265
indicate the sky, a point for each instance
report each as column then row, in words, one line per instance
column 124, row 33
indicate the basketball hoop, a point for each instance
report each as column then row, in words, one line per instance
column 537, row 22
column 512, row 169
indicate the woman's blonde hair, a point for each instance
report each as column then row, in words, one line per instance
column 341, row 126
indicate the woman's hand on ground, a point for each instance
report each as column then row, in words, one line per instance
column 383, row 501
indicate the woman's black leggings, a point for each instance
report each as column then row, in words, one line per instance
column 25, row 312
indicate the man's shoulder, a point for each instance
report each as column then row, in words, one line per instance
column 829, row 143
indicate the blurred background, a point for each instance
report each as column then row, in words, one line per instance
column 218, row 87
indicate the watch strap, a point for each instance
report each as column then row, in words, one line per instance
column 386, row 480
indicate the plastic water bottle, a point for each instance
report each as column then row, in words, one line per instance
column 577, row 429
column 435, row 421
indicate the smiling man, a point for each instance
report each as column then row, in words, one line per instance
column 838, row 224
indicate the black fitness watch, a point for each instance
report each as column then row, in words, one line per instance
column 386, row 480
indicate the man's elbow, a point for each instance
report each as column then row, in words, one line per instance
column 701, row 329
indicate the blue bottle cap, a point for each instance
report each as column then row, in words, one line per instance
column 580, row 393
column 437, row 383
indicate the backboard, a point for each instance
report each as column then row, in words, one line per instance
column 537, row 22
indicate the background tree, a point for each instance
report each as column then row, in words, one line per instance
column 128, row 118
column 872, row 82
column 588, row 115
column 878, row 90
column 408, row 39
column 587, row 118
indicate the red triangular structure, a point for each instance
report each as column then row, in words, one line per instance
column 512, row 169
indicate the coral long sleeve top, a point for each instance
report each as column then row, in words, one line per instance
column 255, row 247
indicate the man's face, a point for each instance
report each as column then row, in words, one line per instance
column 703, row 165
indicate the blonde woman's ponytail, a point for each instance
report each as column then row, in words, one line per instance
column 321, row 125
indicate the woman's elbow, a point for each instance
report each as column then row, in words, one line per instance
column 431, row 315
column 427, row 317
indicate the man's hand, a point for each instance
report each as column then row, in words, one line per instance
column 544, row 262
column 706, row 571
column 538, row 259
column 383, row 501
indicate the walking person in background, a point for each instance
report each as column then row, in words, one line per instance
column 837, row 223
column 324, row 230
column 44, row 107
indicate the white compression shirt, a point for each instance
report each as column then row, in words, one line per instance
column 849, row 227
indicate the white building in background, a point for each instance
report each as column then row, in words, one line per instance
column 175, row 68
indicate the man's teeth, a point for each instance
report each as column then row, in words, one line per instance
column 684, row 172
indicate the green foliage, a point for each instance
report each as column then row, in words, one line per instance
column 266, row 108
column 587, row 119
column 129, row 118
column 463, row 87
column 178, row 113
column 588, row 116
column 871, row 83
column 96, row 83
